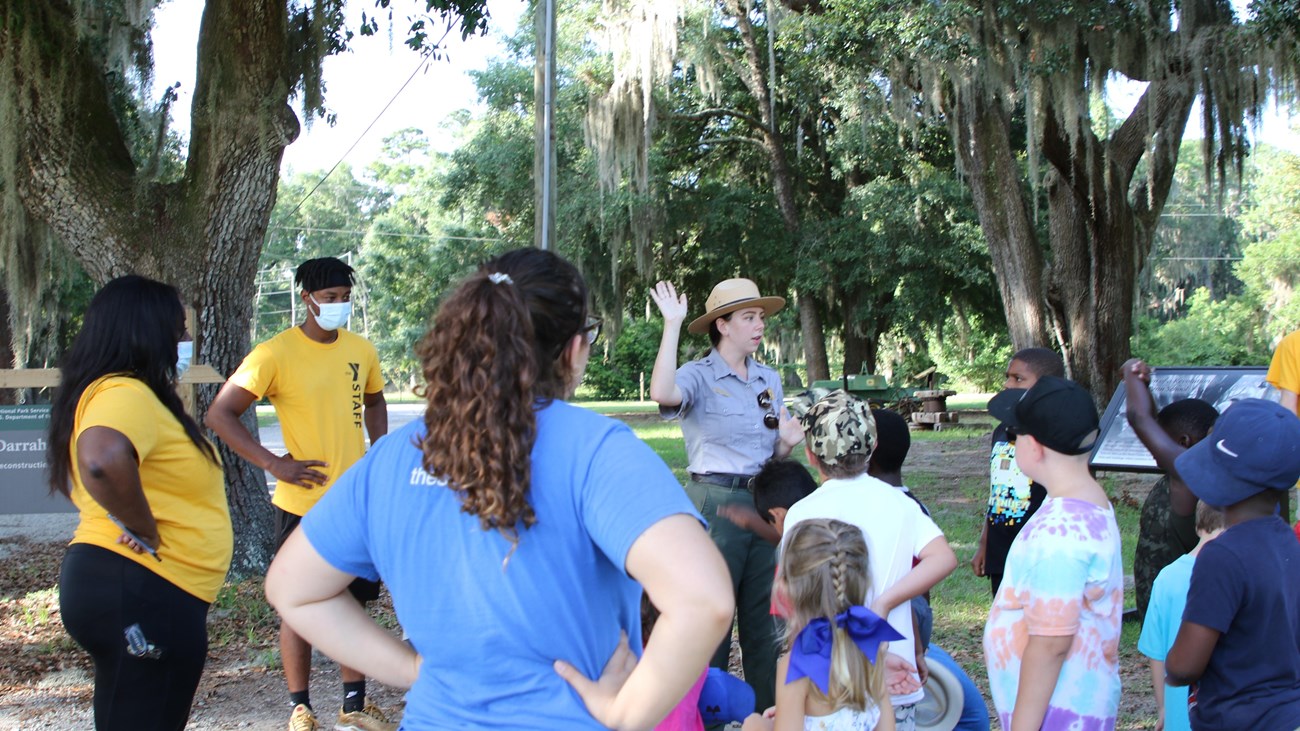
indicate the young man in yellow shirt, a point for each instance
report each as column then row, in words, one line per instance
column 325, row 385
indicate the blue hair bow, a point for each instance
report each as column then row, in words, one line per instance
column 810, row 657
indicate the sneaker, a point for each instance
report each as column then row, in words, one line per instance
column 369, row 718
column 303, row 719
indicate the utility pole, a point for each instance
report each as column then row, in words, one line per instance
column 544, row 124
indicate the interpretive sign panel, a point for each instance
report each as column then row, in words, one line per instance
column 23, row 486
column 1120, row 450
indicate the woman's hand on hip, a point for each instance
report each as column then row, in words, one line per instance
column 599, row 694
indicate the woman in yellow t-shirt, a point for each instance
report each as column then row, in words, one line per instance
column 154, row 541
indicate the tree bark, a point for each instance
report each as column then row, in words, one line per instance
column 982, row 132
column 1101, row 234
column 859, row 351
column 1101, row 225
column 202, row 234
column 814, row 339
column 862, row 334
column 7, row 395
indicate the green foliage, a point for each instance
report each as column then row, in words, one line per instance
column 471, row 17
column 413, row 252
column 1235, row 322
column 1223, row 332
column 602, row 381
column 618, row 375
column 1198, row 237
column 1271, row 272
column 974, row 354
column 1270, row 265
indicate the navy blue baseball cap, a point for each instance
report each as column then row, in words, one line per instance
column 1255, row 446
column 1057, row 412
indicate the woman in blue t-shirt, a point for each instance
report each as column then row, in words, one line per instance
column 513, row 530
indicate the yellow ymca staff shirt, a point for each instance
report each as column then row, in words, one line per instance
column 186, row 490
column 1284, row 371
column 318, row 392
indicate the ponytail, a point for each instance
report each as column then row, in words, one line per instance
column 494, row 354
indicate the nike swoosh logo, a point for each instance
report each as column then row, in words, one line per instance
column 1225, row 450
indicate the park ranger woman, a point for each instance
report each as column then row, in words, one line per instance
column 730, row 407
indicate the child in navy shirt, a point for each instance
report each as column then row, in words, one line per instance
column 1239, row 642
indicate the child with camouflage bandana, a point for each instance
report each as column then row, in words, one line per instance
column 840, row 435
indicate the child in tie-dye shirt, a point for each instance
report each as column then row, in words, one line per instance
column 1052, row 638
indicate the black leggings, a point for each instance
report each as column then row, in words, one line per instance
column 101, row 594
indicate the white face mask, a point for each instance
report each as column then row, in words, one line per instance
column 184, row 355
column 332, row 315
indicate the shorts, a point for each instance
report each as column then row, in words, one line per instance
column 905, row 718
column 364, row 590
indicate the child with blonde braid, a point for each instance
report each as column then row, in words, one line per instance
column 832, row 677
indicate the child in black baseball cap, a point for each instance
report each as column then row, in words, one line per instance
column 1052, row 638
column 1239, row 642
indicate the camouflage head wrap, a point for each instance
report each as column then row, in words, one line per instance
column 802, row 401
column 838, row 426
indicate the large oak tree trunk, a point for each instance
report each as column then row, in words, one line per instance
column 982, row 132
column 202, row 234
column 814, row 337
column 859, row 351
column 1101, row 224
column 7, row 395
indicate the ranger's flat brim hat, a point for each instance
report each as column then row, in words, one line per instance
column 729, row 296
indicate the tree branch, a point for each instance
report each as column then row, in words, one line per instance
column 74, row 170
column 1150, row 195
column 1080, row 164
column 720, row 141
column 719, row 113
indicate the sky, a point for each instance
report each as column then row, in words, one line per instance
column 360, row 84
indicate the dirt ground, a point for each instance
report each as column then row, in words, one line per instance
column 45, row 680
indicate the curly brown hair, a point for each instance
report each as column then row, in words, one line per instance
column 494, row 354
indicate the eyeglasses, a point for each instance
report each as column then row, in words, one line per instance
column 770, row 419
column 592, row 329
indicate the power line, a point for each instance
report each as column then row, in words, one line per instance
column 423, row 63
column 1223, row 258
column 380, row 233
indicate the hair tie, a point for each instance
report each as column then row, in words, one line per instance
column 810, row 653
column 499, row 277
